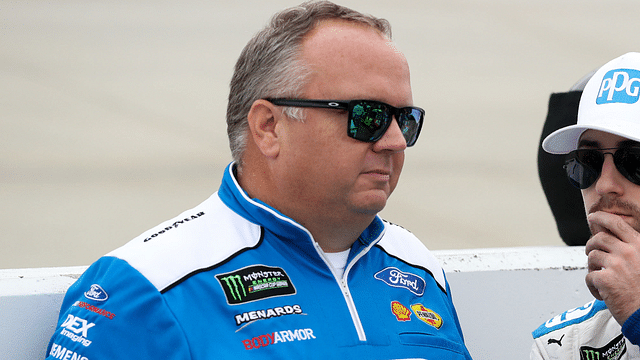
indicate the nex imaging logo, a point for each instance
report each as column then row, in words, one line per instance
column 619, row 86
column 254, row 283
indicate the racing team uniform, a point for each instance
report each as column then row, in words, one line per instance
column 587, row 333
column 233, row 278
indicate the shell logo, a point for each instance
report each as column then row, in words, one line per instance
column 427, row 315
column 400, row 311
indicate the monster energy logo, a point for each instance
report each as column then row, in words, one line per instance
column 612, row 351
column 235, row 285
column 590, row 355
column 254, row 283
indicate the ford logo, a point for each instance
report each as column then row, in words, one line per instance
column 396, row 278
column 96, row 293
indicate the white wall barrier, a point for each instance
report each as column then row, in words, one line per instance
column 501, row 295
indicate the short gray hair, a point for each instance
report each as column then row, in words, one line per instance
column 270, row 65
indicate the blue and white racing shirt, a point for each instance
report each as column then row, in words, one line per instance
column 588, row 332
column 234, row 278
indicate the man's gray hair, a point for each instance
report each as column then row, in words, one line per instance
column 270, row 65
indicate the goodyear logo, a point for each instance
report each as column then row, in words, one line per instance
column 427, row 315
column 255, row 283
column 619, row 86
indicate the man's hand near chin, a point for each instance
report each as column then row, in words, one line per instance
column 614, row 264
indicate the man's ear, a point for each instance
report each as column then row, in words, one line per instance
column 263, row 121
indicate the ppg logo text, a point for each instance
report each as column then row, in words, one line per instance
column 619, row 86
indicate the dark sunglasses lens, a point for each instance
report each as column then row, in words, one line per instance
column 410, row 124
column 583, row 167
column 368, row 121
column 628, row 163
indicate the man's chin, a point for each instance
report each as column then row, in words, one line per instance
column 371, row 206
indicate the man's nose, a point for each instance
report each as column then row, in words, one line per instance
column 610, row 180
column 392, row 140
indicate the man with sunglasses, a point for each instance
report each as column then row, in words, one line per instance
column 288, row 259
column 604, row 162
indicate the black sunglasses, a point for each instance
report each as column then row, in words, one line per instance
column 368, row 119
column 583, row 166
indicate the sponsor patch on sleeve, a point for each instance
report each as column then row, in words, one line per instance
column 612, row 351
column 97, row 293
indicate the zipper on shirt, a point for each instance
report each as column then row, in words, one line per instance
column 346, row 293
column 352, row 309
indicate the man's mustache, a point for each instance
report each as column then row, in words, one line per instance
column 613, row 204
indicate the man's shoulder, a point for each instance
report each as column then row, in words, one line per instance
column 579, row 316
column 588, row 331
column 401, row 244
column 198, row 238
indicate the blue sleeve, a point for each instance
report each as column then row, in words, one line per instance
column 113, row 312
column 455, row 317
column 631, row 328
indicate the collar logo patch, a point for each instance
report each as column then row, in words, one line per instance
column 97, row 293
column 612, row 351
column 394, row 277
column 427, row 315
column 254, row 283
column 400, row 311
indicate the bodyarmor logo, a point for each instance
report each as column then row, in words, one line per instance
column 278, row 337
column 96, row 293
column 254, row 283
column 396, row 278
column 612, row 351
column 619, row 86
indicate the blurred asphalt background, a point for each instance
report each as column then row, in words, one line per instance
column 112, row 114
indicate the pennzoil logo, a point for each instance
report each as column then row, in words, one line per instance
column 401, row 312
column 427, row 315
column 612, row 351
column 255, row 283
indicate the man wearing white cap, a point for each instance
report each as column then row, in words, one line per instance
column 608, row 124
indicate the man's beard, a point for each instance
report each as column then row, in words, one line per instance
column 608, row 204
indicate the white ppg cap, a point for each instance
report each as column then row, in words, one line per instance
column 608, row 103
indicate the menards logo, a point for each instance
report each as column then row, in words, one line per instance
column 254, row 283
